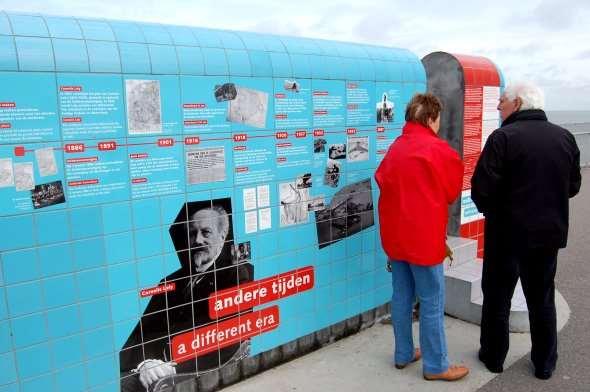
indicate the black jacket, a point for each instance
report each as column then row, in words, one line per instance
column 527, row 171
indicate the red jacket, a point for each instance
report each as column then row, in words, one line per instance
column 418, row 178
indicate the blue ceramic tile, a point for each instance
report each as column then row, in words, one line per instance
column 7, row 54
column 34, row 54
column 126, row 31
column 96, row 30
column 239, row 62
column 70, row 55
column 261, row 64
column 5, row 337
column 301, row 65
column 122, row 277
column 134, row 58
column 252, row 41
column 281, row 65
column 92, row 284
column 28, row 25
column 63, row 27
column 119, row 247
column 89, row 253
column 63, row 321
column 20, row 266
column 4, row 25
column 34, row 361
column 150, row 270
column 72, row 379
column 146, row 213
column 215, row 61
column 273, row 44
column 24, row 298
column 190, row 60
column 44, row 383
column 56, row 259
column 367, row 69
column 68, row 351
column 116, row 217
column 230, row 40
column 29, row 330
column 21, row 228
column 95, row 313
column 86, row 222
column 207, row 38
column 7, row 368
column 52, row 227
column 122, row 330
column 155, row 34
column 163, row 58
column 125, row 306
column 182, row 35
column 98, row 342
column 59, row 291
column 103, row 56
column 101, row 370
column 148, row 242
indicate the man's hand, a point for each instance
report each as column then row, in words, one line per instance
column 151, row 370
column 449, row 253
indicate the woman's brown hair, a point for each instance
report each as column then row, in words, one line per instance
column 423, row 107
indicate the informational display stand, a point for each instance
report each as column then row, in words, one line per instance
column 469, row 87
column 148, row 170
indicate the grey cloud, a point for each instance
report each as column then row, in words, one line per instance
column 584, row 55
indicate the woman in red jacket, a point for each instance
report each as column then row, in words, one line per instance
column 418, row 179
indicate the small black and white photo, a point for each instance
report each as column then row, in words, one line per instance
column 349, row 211
column 304, row 181
column 293, row 207
column 291, row 85
column 144, row 109
column 337, row 151
column 225, row 92
column 358, row 148
column 45, row 195
column 385, row 110
column 240, row 252
column 319, row 145
column 316, row 203
column 332, row 173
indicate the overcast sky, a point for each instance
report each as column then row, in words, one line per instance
column 545, row 41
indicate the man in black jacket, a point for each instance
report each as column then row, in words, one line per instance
column 527, row 171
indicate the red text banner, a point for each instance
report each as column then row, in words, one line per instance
column 216, row 336
column 246, row 296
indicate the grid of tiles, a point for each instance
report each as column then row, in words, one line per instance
column 71, row 271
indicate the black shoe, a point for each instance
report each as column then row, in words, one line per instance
column 492, row 368
column 543, row 374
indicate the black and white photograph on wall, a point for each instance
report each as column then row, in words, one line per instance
column 385, row 110
column 293, row 209
column 316, row 203
column 24, row 176
column 144, row 109
column 225, row 92
column 319, row 145
column 358, row 148
column 332, row 173
column 304, row 181
column 337, row 151
column 249, row 107
column 202, row 236
column 241, row 252
column 349, row 212
column 291, row 85
column 205, row 165
column 45, row 195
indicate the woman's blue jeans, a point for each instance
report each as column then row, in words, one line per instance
column 428, row 284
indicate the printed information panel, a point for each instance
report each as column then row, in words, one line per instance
column 181, row 215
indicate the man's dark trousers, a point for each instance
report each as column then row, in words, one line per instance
column 536, row 268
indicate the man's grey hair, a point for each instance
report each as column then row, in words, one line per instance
column 222, row 220
column 529, row 94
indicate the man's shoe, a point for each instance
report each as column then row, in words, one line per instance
column 417, row 356
column 490, row 367
column 453, row 373
column 543, row 374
